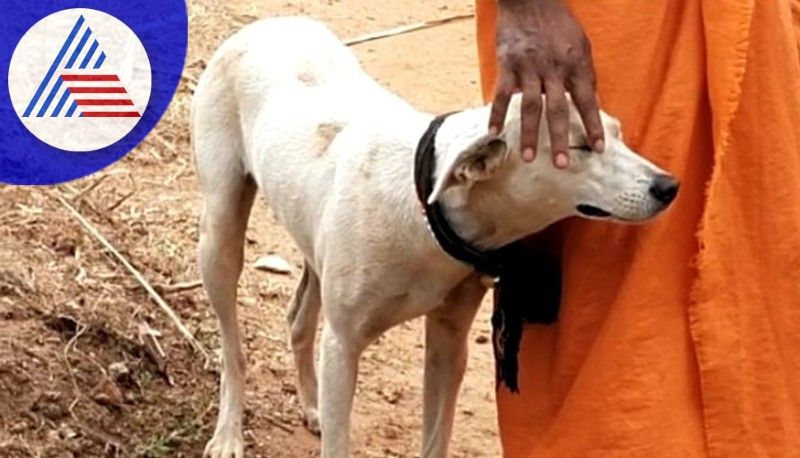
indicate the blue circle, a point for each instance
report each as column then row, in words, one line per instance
column 162, row 27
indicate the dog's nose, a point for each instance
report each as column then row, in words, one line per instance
column 664, row 189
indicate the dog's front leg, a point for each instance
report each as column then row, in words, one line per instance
column 338, row 371
column 446, row 332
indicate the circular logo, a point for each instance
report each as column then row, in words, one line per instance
column 79, row 79
column 87, row 81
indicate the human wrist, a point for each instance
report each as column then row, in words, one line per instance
column 511, row 9
column 515, row 4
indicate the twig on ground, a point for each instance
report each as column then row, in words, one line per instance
column 120, row 201
column 91, row 187
column 279, row 424
column 162, row 304
column 181, row 287
column 181, row 171
column 100, row 436
column 82, row 328
column 403, row 29
column 149, row 338
column 165, row 143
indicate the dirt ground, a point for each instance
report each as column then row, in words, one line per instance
column 76, row 377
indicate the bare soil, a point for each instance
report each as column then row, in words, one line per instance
column 76, row 377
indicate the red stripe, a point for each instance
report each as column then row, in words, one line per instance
column 97, row 90
column 111, row 114
column 90, row 77
column 126, row 102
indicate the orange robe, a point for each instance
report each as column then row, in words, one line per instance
column 679, row 338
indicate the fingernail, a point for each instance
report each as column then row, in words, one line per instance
column 493, row 130
column 561, row 160
column 528, row 154
column 599, row 146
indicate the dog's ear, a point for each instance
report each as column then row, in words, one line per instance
column 477, row 162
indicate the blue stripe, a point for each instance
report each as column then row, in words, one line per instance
column 60, row 104
column 53, row 67
column 50, row 97
column 72, row 109
column 78, row 50
column 89, row 55
column 100, row 60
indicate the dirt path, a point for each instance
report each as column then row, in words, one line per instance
column 68, row 313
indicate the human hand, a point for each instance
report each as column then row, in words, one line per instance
column 541, row 48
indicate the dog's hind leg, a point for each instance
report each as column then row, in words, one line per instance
column 229, row 195
column 446, row 332
column 222, row 233
column 303, row 317
column 229, row 192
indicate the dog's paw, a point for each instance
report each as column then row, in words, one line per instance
column 225, row 445
column 311, row 421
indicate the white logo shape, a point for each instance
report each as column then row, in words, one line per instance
column 79, row 79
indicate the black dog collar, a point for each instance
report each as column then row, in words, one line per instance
column 487, row 262
column 527, row 284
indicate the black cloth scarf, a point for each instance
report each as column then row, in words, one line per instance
column 528, row 282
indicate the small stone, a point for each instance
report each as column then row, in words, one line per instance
column 392, row 397
column 289, row 388
column 273, row 263
column 65, row 432
column 107, row 394
column 18, row 427
column 118, row 371
column 53, row 436
column 49, row 407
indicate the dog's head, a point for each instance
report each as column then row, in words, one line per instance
column 617, row 184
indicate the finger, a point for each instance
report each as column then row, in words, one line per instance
column 585, row 98
column 558, row 120
column 531, row 116
column 502, row 97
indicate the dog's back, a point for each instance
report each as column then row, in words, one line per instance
column 264, row 64
column 278, row 103
column 264, row 92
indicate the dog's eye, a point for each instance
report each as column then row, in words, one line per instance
column 585, row 148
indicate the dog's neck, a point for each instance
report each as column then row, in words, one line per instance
column 498, row 211
column 488, row 219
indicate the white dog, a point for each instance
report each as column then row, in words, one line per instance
column 284, row 107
